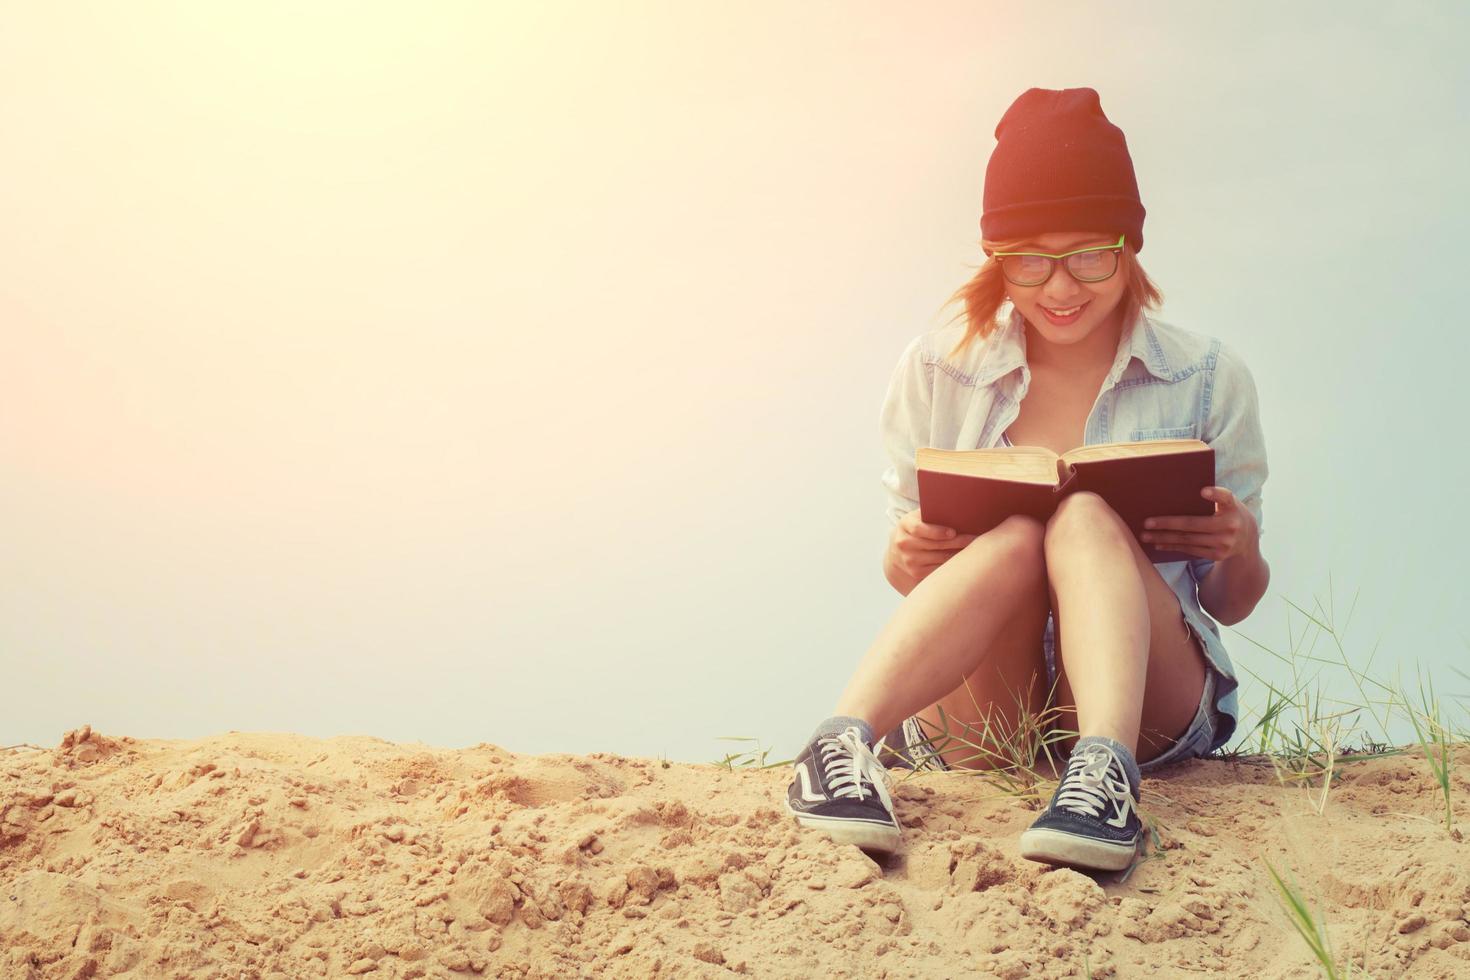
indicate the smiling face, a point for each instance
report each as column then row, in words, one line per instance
column 1097, row 300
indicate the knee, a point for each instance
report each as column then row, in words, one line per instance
column 1022, row 526
column 1082, row 514
column 1021, row 539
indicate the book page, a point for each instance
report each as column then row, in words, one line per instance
column 1019, row 464
column 1123, row 450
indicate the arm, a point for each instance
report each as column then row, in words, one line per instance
column 1230, row 589
column 904, row 424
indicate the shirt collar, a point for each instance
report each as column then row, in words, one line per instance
column 1008, row 350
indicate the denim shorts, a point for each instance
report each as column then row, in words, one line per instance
column 1195, row 742
column 1200, row 735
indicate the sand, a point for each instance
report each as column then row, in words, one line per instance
column 267, row 855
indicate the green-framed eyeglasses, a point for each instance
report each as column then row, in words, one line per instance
column 1092, row 264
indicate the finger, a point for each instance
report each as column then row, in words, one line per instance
column 1179, row 540
column 1219, row 495
column 1197, row 525
column 934, row 532
column 1191, row 552
column 1198, row 547
column 948, row 544
column 930, row 559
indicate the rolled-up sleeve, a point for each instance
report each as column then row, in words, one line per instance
column 905, row 426
column 1233, row 429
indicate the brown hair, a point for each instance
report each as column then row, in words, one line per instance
column 983, row 295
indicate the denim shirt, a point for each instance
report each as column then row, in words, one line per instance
column 1165, row 383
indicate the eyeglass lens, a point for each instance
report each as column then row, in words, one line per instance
column 1030, row 270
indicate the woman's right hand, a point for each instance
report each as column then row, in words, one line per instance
column 916, row 548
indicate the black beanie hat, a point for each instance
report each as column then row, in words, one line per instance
column 1060, row 165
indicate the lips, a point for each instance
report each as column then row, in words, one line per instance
column 1068, row 311
column 1064, row 320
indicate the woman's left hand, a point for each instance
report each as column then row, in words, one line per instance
column 1227, row 533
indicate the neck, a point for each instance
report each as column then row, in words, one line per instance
column 1090, row 356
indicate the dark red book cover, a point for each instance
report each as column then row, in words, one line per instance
column 1139, row 487
column 1136, row 487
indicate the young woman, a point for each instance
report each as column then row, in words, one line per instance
column 1055, row 351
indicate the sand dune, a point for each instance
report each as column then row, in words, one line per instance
column 267, row 855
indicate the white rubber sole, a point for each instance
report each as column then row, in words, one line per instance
column 882, row 838
column 1056, row 847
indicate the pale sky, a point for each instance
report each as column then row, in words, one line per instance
column 468, row 373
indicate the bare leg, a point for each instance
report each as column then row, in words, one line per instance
column 985, row 709
column 980, row 604
column 1127, row 658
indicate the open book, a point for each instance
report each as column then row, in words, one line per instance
column 974, row 490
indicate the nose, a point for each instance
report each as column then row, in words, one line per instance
column 1060, row 288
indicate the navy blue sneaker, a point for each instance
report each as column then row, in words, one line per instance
column 839, row 786
column 1092, row 820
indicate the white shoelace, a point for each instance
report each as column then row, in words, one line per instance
column 1089, row 785
column 850, row 767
